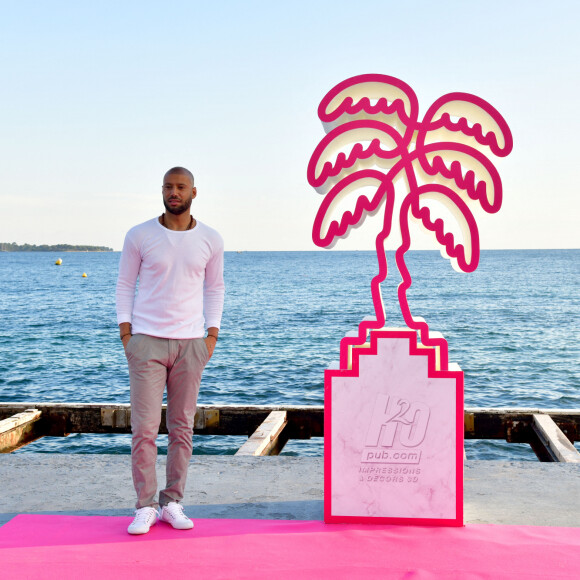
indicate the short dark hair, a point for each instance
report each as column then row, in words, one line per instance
column 181, row 170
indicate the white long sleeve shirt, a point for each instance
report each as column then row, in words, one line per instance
column 180, row 289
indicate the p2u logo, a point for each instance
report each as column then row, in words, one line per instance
column 395, row 420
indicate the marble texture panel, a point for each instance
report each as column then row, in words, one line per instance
column 393, row 451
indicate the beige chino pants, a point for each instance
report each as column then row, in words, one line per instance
column 153, row 364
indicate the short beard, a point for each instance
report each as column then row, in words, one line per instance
column 178, row 209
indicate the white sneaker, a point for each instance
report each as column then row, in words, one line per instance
column 145, row 517
column 173, row 514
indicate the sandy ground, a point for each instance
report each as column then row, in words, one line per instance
column 497, row 492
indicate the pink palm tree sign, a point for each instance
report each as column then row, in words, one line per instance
column 394, row 407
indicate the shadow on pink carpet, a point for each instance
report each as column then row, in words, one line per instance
column 44, row 546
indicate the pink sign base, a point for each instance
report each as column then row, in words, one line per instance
column 393, row 434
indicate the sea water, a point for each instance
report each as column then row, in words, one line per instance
column 512, row 326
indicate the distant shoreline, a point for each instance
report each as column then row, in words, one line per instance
column 5, row 247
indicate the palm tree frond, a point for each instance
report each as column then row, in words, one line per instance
column 327, row 228
column 466, row 117
column 351, row 147
column 370, row 96
column 465, row 169
column 464, row 253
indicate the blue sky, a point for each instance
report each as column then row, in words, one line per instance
column 99, row 99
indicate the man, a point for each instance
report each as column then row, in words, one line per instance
column 178, row 262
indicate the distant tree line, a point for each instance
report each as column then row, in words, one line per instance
column 12, row 247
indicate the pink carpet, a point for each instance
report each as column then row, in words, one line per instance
column 63, row 547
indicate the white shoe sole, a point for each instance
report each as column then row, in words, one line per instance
column 186, row 525
column 177, row 527
column 138, row 532
column 141, row 531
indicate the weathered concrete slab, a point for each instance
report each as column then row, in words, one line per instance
column 280, row 487
column 522, row 493
column 217, row 486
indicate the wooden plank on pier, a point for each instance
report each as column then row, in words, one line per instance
column 266, row 439
column 59, row 419
column 304, row 421
column 556, row 443
column 516, row 425
column 18, row 430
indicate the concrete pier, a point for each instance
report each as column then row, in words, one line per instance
column 278, row 487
